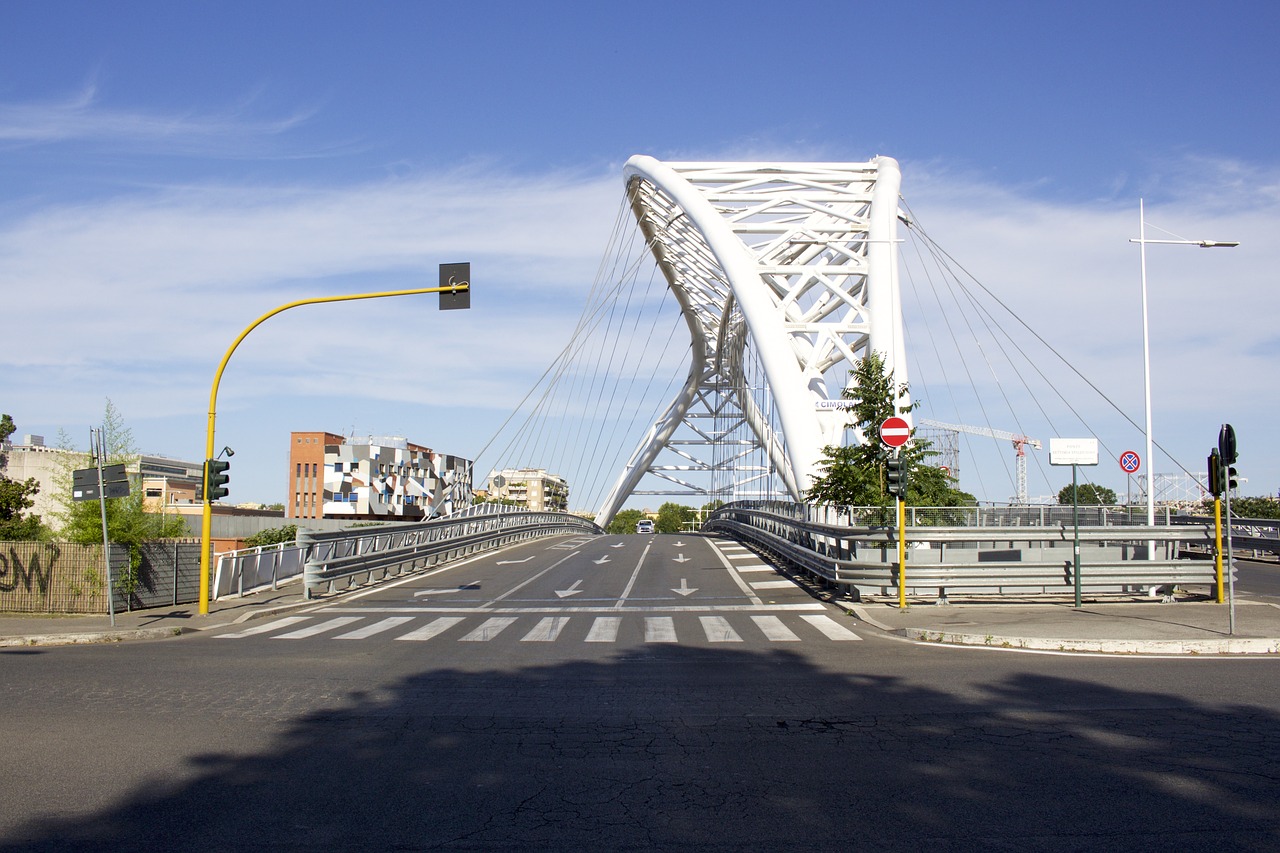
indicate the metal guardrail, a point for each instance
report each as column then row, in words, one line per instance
column 364, row 555
column 1021, row 559
column 1259, row 535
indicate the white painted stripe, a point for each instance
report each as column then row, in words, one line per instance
column 604, row 629
column 831, row 628
column 774, row 630
column 659, row 629
column 376, row 628
column 747, row 556
column 546, row 630
column 639, row 608
column 489, row 629
column 772, row 585
column 312, row 630
column 433, row 628
column 718, row 630
column 263, row 628
column 760, row 568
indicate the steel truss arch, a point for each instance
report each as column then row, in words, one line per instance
column 800, row 259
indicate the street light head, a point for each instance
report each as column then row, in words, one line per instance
column 228, row 451
column 1217, row 244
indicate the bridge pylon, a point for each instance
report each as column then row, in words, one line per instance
column 796, row 261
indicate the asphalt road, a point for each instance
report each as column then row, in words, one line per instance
column 626, row 693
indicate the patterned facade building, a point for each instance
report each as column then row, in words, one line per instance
column 376, row 478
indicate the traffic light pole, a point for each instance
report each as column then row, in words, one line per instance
column 206, row 521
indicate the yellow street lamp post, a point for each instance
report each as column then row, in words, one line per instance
column 206, row 522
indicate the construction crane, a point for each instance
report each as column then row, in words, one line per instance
column 1020, row 443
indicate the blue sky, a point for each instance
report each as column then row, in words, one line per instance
column 170, row 171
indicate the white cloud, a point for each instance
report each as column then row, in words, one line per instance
column 136, row 297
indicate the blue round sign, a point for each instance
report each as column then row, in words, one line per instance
column 1130, row 461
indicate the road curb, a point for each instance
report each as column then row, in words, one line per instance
column 1225, row 646
column 88, row 637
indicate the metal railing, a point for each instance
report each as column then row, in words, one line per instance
column 250, row 569
column 835, row 545
column 1259, row 535
column 334, row 560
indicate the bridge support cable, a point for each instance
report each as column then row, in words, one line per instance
column 799, row 259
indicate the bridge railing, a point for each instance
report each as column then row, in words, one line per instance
column 839, row 547
column 336, row 560
column 250, row 569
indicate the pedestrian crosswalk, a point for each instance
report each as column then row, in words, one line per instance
column 535, row 628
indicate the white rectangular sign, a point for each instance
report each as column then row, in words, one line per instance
column 1073, row 451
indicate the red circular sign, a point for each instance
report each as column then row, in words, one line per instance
column 895, row 432
column 1130, row 461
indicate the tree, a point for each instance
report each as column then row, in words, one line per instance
column 128, row 522
column 273, row 536
column 16, row 497
column 672, row 517
column 854, row 475
column 625, row 521
column 1088, row 494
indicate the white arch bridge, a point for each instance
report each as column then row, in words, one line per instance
column 798, row 261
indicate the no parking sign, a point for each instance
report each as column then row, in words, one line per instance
column 1130, row 462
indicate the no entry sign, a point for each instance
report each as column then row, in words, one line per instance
column 895, row 431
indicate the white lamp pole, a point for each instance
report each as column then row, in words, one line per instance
column 1142, row 241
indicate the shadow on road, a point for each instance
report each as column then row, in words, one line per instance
column 766, row 752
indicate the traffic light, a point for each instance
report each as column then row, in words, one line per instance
column 215, row 478
column 1215, row 474
column 1232, row 479
column 896, row 475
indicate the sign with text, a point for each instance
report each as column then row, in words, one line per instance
column 1073, row 451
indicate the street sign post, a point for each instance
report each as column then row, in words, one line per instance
column 1075, row 452
column 895, row 431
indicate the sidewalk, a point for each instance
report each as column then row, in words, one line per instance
column 19, row 629
column 1115, row 625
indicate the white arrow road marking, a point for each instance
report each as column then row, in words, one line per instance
column 684, row 587
column 573, row 590
column 602, row 560
column 438, row 591
column 679, row 544
column 682, row 559
column 513, row 562
column 619, row 545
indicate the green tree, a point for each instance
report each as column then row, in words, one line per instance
column 672, row 517
column 854, row 475
column 16, row 497
column 273, row 536
column 128, row 522
column 1089, row 494
column 625, row 521
column 1246, row 507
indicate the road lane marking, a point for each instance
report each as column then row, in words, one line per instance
column 262, row 629
column 774, row 630
column 772, row 585
column 376, row 628
column 737, row 578
column 762, row 568
column 312, row 630
column 626, row 591
column 547, row 630
column 831, row 628
column 604, row 629
column 521, row 586
column 433, row 628
column 718, row 630
column 489, row 629
column 659, row 629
